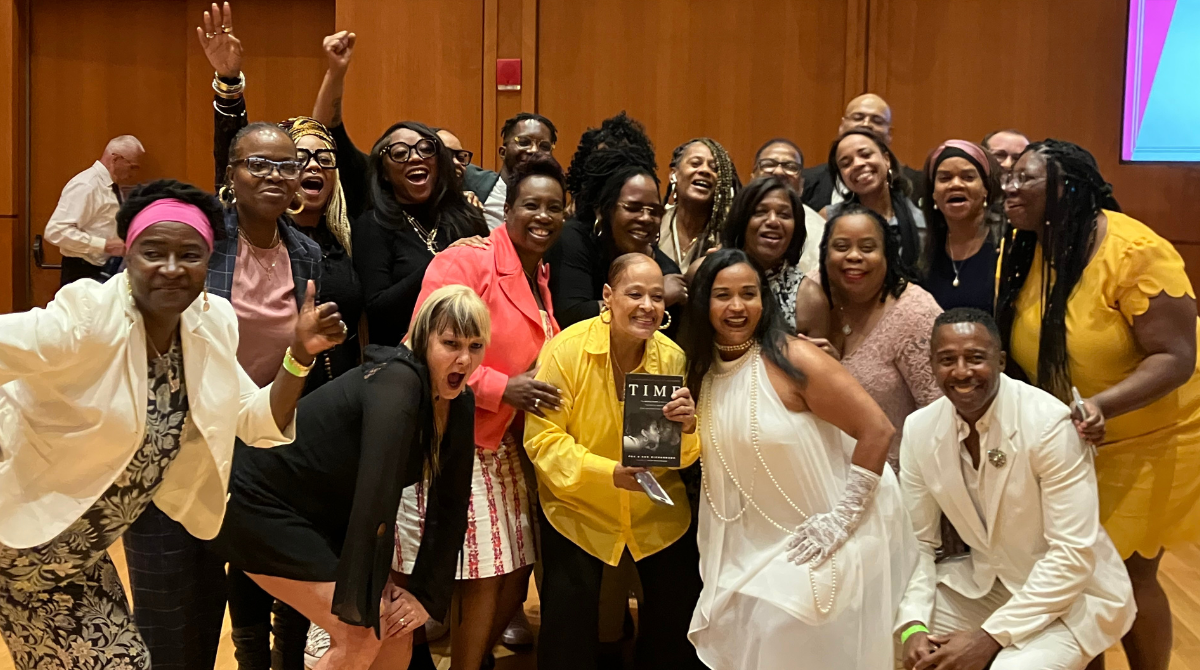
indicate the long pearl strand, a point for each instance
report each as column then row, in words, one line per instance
column 707, row 417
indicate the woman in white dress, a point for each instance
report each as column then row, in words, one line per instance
column 805, row 546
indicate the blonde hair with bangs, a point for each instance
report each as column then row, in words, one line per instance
column 454, row 307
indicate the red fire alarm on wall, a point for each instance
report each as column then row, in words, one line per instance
column 508, row 74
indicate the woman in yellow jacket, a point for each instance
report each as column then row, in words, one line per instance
column 594, row 510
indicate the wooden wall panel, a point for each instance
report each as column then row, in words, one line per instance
column 739, row 72
column 101, row 68
column 961, row 68
column 9, row 137
column 415, row 59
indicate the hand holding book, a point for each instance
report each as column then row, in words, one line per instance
column 682, row 409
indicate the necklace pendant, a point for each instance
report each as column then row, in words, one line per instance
column 846, row 329
column 955, row 284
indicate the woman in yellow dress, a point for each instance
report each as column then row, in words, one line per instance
column 1094, row 299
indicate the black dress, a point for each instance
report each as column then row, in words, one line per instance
column 323, row 509
column 579, row 269
column 391, row 258
column 976, row 280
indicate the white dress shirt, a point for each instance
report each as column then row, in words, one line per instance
column 493, row 208
column 86, row 215
column 73, row 397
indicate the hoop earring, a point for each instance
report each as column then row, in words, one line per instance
column 604, row 310
column 226, row 196
column 668, row 323
column 296, row 209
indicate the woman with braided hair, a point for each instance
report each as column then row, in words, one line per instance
column 1092, row 299
column 703, row 183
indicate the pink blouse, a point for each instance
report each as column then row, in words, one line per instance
column 893, row 363
column 265, row 301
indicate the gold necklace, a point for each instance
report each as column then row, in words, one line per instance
column 426, row 236
column 707, row 417
column 254, row 254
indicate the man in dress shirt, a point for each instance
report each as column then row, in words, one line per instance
column 866, row 111
column 84, row 225
column 1041, row 584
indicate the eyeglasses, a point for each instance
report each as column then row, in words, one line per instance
column 528, row 144
column 263, row 167
column 462, row 157
column 654, row 211
column 789, row 167
column 326, row 158
column 400, row 152
column 1018, row 181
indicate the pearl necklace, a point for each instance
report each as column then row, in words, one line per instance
column 707, row 417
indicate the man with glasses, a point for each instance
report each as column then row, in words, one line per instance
column 866, row 111
column 84, row 224
column 523, row 137
column 782, row 158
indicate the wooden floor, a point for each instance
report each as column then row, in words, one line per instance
column 1180, row 579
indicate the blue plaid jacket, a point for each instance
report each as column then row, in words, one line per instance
column 304, row 253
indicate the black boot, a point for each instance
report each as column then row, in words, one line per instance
column 291, row 634
column 422, row 659
column 252, row 647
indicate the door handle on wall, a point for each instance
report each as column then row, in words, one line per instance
column 39, row 255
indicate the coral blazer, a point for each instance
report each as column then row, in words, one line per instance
column 495, row 273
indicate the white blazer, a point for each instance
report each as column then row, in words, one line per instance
column 1043, row 538
column 73, row 396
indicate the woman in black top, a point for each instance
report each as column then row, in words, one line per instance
column 418, row 209
column 314, row 523
column 628, row 216
column 958, row 264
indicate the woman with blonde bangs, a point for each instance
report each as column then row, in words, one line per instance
column 314, row 524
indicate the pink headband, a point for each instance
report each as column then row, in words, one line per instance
column 170, row 209
column 970, row 148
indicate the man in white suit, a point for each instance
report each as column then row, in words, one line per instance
column 1041, row 584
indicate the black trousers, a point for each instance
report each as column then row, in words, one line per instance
column 74, row 269
column 569, row 638
column 178, row 592
column 250, row 610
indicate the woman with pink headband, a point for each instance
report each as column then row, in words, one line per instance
column 102, row 410
column 958, row 264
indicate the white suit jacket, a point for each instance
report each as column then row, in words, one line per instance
column 1042, row 538
column 73, row 397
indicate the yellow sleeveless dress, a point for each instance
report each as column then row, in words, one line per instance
column 1148, row 468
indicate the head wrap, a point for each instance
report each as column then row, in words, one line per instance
column 961, row 149
column 170, row 209
column 336, row 218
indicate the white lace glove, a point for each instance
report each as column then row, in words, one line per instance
column 821, row 534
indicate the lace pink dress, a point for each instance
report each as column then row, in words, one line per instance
column 892, row 363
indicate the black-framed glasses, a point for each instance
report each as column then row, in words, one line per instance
column 530, row 144
column 326, row 158
column 1018, row 181
column 789, row 167
column 263, row 167
column 655, row 211
column 401, row 152
column 462, row 156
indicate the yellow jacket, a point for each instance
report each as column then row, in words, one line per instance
column 576, row 448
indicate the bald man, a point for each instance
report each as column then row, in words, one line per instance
column 866, row 111
column 84, row 224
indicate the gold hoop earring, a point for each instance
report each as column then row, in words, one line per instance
column 226, row 196
column 296, row 209
column 668, row 323
column 604, row 310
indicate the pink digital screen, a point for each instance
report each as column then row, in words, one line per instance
column 1162, row 82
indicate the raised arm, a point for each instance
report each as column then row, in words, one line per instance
column 352, row 163
column 224, row 54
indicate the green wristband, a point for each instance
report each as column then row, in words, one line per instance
column 293, row 366
column 908, row 632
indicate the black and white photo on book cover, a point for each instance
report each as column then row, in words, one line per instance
column 650, row 439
